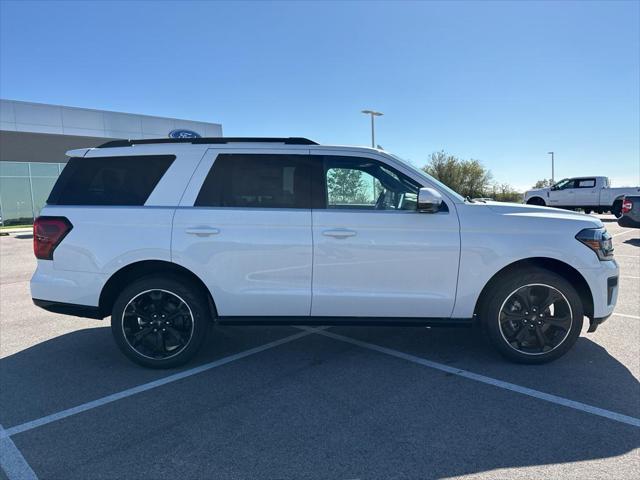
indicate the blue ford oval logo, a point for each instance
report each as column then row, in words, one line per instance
column 181, row 133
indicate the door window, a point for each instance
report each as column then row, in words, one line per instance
column 362, row 183
column 257, row 181
column 586, row 183
column 564, row 184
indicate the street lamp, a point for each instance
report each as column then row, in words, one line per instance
column 373, row 133
column 552, row 169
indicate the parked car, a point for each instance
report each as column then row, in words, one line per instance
column 630, row 212
column 168, row 236
column 591, row 194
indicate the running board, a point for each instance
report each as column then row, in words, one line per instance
column 368, row 321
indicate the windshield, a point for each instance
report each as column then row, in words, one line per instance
column 428, row 177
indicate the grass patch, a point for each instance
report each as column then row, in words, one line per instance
column 10, row 227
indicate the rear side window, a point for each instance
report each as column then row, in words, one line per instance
column 109, row 180
column 587, row 183
column 257, row 181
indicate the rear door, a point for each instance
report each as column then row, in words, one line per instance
column 586, row 193
column 374, row 254
column 244, row 227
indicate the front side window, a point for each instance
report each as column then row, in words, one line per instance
column 564, row 184
column 362, row 183
column 257, row 181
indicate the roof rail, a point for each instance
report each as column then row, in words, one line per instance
column 210, row 140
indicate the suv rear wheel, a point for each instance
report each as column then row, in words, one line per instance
column 532, row 316
column 160, row 322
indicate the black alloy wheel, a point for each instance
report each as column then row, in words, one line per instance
column 157, row 324
column 535, row 319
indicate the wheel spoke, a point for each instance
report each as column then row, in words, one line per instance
column 552, row 297
column 540, row 336
column 561, row 322
column 139, row 336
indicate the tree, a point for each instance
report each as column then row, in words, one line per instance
column 467, row 177
column 345, row 186
column 503, row 192
column 545, row 182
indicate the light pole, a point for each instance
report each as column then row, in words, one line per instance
column 553, row 181
column 373, row 132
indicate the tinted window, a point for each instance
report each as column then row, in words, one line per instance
column 564, row 184
column 109, row 180
column 587, row 183
column 257, row 181
column 362, row 183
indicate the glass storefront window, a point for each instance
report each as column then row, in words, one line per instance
column 44, row 170
column 15, row 199
column 14, row 169
column 41, row 190
column 23, row 196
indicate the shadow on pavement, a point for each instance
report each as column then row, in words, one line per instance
column 313, row 408
column 633, row 241
column 86, row 364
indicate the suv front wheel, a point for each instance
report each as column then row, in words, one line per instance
column 160, row 322
column 532, row 316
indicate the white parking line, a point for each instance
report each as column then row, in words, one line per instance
column 12, row 462
column 622, row 233
column 629, row 276
column 601, row 412
column 625, row 315
column 147, row 386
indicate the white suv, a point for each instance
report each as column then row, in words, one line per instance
column 167, row 236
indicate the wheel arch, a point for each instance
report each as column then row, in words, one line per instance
column 557, row 266
column 537, row 200
column 123, row 277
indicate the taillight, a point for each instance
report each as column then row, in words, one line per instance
column 627, row 206
column 48, row 232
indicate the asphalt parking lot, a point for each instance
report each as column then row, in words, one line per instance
column 343, row 402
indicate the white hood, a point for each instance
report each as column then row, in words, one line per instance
column 535, row 211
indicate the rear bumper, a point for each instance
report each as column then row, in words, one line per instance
column 85, row 311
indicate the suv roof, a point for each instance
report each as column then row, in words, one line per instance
column 209, row 140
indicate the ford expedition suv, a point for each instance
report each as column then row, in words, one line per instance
column 167, row 236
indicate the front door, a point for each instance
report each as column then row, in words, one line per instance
column 247, row 232
column 563, row 194
column 374, row 254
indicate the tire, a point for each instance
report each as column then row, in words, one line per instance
column 616, row 209
column 518, row 336
column 171, row 318
column 587, row 211
column 536, row 201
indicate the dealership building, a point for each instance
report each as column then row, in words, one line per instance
column 34, row 138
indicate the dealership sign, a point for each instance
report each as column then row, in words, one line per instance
column 181, row 133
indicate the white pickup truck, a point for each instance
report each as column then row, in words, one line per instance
column 588, row 193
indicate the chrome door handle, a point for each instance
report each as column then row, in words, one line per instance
column 339, row 233
column 202, row 231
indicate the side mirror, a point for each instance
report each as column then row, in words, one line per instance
column 429, row 200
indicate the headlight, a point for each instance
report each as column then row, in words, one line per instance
column 598, row 240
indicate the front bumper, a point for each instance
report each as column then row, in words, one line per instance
column 603, row 283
